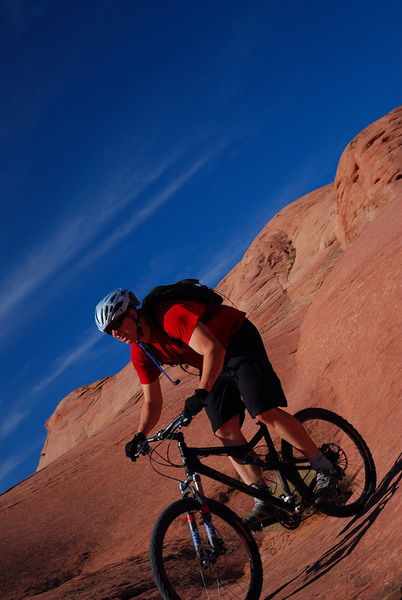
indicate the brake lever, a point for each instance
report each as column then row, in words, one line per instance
column 185, row 421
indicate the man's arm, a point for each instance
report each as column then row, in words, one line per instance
column 152, row 407
column 205, row 343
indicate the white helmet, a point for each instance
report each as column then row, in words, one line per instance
column 113, row 306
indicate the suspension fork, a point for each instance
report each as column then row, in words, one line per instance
column 196, row 491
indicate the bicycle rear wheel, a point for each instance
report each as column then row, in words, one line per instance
column 234, row 571
column 347, row 450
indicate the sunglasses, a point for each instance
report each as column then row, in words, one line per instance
column 116, row 324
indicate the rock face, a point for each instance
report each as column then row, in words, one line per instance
column 367, row 171
column 87, row 410
column 321, row 282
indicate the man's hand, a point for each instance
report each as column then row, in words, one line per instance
column 133, row 447
column 195, row 403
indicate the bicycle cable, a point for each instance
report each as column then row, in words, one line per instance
column 166, row 461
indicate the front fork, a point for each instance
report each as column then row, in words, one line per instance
column 192, row 487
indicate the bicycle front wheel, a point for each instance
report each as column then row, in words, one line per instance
column 347, row 450
column 204, row 563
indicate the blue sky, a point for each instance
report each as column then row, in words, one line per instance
column 143, row 141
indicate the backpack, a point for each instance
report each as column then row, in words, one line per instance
column 184, row 290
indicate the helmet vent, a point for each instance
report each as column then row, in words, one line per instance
column 118, row 306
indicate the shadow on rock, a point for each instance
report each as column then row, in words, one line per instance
column 351, row 535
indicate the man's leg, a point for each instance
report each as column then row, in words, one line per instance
column 230, row 435
column 289, row 429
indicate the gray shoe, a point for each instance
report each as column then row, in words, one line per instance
column 260, row 512
column 325, row 485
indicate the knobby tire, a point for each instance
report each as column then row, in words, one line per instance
column 177, row 571
column 344, row 445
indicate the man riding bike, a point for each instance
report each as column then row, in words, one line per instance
column 235, row 375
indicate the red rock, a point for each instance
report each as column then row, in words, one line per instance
column 88, row 410
column 369, row 175
column 321, row 282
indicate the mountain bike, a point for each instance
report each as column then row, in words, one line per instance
column 199, row 547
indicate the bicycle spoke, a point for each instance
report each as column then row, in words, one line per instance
column 347, row 451
column 200, row 571
column 210, row 575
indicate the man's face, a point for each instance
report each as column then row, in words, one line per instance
column 127, row 331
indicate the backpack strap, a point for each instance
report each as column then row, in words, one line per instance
column 179, row 343
column 148, row 351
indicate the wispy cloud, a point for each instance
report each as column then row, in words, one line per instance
column 40, row 264
column 11, row 422
column 147, row 211
column 12, row 462
column 66, row 360
column 72, row 238
column 226, row 258
column 22, row 407
column 8, row 465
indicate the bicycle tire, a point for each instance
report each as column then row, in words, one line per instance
column 344, row 445
column 178, row 572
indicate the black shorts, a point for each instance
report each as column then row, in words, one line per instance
column 248, row 380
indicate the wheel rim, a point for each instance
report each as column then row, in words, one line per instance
column 346, row 453
column 222, row 574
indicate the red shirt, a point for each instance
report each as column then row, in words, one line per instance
column 179, row 321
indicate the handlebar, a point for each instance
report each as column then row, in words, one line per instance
column 163, row 434
column 177, row 423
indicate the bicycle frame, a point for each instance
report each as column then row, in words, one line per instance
column 285, row 469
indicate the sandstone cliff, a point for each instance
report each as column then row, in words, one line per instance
column 321, row 281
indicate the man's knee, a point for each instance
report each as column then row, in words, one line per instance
column 229, row 430
column 269, row 417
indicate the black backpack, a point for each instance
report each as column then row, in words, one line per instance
column 186, row 289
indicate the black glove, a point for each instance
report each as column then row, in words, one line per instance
column 195, row 403
column 133, row 447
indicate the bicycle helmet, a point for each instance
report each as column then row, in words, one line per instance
column 113, row 306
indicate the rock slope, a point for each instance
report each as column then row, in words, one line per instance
column 322, row 282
